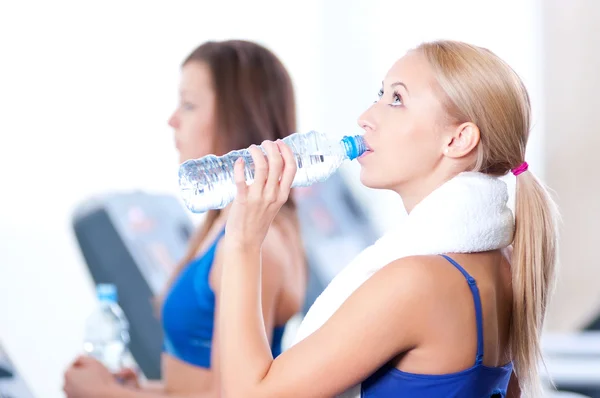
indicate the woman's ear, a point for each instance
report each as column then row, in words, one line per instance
column 464, row 139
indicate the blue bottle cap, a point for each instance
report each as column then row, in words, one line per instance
column 354, row 145
column 106, row 292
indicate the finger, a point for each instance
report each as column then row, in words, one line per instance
column 260, row 167
column 127, row 372
column 89, row 360
column 275, row 162
column 239, row 177
column 71, row 375
column 289, row 167
column 81, row 360
column 120, row 373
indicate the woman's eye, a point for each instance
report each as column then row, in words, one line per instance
column 397, row 99
column 187, row 106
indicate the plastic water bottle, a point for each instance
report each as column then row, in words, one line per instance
column 208, row 183
column 107, row 330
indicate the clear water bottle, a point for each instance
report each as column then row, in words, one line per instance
column 208, row 183
column 107, row 330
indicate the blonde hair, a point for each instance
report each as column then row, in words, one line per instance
column 477, row 86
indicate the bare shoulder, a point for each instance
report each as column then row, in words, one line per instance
column 405, row 289
column 418, row 288
column 414, row 279
column 443, row 280
column 425, row 271
column 425, row 282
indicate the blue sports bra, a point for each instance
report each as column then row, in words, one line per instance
column 189, row 311
column 479, row 381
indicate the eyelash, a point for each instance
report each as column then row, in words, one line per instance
column 396, row 96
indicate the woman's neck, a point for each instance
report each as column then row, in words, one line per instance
column 412, row 193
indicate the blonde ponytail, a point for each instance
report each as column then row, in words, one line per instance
column 533, row 268
column 477, row 86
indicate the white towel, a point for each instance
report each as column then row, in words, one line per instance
column 467, row 214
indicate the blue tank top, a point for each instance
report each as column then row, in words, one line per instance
column 189, row 311
column 479, row 381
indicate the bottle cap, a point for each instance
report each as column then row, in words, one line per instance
column 354, row 145
column 106, row 292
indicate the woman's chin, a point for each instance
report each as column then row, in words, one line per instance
column 376, row 181
column 368, row 180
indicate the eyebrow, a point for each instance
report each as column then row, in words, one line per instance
column 400, row 84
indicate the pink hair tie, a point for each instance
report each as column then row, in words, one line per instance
column 518, row 170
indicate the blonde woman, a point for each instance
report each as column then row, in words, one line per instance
column 437, row 307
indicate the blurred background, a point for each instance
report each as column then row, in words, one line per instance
column 86, row 89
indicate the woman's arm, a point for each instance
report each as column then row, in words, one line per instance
column 87, row 377
column 118, row 391
column 271, row 283
column 376, row 323
column 129, row 378
column 153, row 386
column 146, row 391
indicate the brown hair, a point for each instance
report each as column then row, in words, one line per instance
column 254, row 101
column 479, row 87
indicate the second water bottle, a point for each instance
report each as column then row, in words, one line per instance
column 107, row 330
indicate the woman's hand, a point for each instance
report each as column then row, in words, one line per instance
column 127, row 377
column 256, row 205
column 88, row 378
